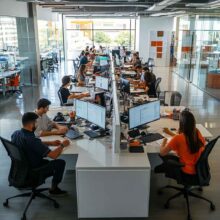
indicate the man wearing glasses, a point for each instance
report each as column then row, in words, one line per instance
column 45, row 126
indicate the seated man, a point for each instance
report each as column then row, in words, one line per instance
column 36, row 151
column 45, row 126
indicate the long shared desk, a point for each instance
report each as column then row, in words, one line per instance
column 109, row 184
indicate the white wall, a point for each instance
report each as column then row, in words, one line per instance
column 13, row 8
column 144, row 27
column 46, row 14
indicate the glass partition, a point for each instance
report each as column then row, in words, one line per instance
column 198, row 53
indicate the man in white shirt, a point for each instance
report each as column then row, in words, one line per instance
column 45, row 126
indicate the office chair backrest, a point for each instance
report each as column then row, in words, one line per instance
column 175, row 99
column 20, row 168
column 202, row 165
column 157, row 83
column 60, row 97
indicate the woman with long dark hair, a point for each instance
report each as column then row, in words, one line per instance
column 81, row 75
column 188, row 144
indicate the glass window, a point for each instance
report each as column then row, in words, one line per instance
column 8, row 34
column 109, row 33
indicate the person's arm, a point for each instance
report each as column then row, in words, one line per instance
column 52, row 143
column 56, row 152
column 169, row 132
column 63, row 129
column 164, row 148
column 49, row 133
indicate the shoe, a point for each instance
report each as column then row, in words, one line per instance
column 57, row 192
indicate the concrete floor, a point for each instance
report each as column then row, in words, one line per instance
column 205, row 108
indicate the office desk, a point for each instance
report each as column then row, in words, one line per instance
column 109, row 185
column 128, row 73
column 137, row 91
column 4, row 76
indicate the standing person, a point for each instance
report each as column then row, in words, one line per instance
column 188, row 145
column 84, row 59
column 36, row 152
column 66, row 95
column 45, row 126
column 87, row 49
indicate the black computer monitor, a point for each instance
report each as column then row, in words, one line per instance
column 100, row 98
column 125, row 85
column 144, row 114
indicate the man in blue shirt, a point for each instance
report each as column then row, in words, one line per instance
column 84, row 59
column 36, row 151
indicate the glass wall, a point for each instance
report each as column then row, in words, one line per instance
column 198, row 54
column 109, row 33
column 8, row 34
column 50, row 36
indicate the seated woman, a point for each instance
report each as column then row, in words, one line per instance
column 66, row 96
column 149, row 79
column 188, row 145
column 81, row 75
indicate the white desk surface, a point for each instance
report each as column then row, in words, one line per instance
column 97, row 153
column 8, row 73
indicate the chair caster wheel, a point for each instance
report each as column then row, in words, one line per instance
column 56, row 205
column 200, row 189
column 167, row 206
column 5, row 204
column 24, row 217
column 212, row 207
column 160, row 192
column 189, row 217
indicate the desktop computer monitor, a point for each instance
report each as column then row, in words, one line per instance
column 101, row 82
column 143, row 114
column 97, row 115
column 81, row 108
column 125, row 85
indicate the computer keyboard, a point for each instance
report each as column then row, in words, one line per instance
column 151, row 137
column 92, row 134
column 71, row 134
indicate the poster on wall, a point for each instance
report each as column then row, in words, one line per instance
column 158, row 44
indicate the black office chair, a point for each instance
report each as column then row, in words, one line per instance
column 50, row 65
column 157, row 83
column 76, row 65
column 22, row 177
column 61, row 100
column 170, row 98
column 190, row 182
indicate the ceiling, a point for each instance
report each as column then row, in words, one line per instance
column 120, row 8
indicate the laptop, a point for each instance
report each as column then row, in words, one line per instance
column 73, row 134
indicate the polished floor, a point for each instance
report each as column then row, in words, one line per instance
column 205, row 108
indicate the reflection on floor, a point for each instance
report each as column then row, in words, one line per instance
column 205, row 108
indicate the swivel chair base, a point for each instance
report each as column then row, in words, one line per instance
column 33, row 194
column 186, row 191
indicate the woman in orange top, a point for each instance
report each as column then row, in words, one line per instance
column 188, row 144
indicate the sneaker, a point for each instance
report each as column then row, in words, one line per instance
column 57, row 192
